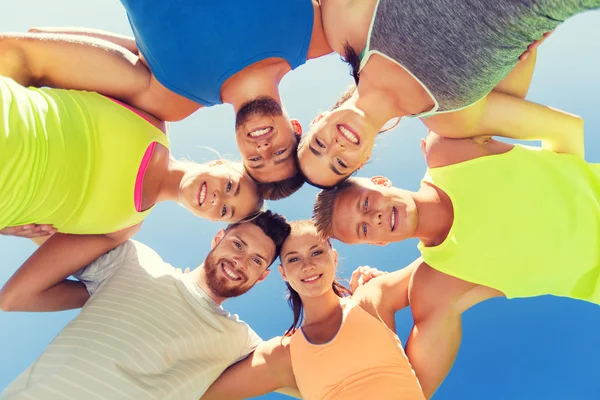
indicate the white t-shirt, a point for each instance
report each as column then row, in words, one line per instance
column 147, row 332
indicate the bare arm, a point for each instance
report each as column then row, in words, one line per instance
column 517, row 82
column 87, row 63
column 266, row 370
column 40, row 284
column 437, row 301
column 126, row 42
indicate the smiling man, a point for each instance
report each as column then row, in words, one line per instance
column 150, row 332
column 493, row 219
column 191, row 54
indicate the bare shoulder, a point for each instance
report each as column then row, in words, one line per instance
column 276, row 349
column 440, row 151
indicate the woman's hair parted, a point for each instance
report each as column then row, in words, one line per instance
column 293, row 298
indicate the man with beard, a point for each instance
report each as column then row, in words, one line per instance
column 191, row 54
column 150, row 332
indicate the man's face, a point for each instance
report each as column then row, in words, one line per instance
column 238, row 261
column 370, row 213
column 266, row 138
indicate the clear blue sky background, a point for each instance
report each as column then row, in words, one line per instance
column 542, row 348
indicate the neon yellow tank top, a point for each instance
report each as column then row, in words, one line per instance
column 526, row 222
column 70, row 159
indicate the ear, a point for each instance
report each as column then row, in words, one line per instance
column 264, row 275
column 282, row 272
column 379, row 243
column 423, row 147
column 218, row 237
column 335, row 258
column 381, row 181
column 318, row 118
column 217, row 162
column 297, row 126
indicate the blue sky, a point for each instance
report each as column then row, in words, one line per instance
column 542, row 348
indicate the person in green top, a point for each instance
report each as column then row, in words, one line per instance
column 493, row 219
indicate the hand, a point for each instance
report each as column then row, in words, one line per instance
column 362, row 275
column 534, row 46
column 28, row 231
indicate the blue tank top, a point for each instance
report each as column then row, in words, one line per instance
column 193, row 46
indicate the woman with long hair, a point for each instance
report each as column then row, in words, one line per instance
column 93, row 168
column 341, row 345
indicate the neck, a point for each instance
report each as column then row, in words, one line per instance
column 318, row 309
column 257, row 80
column 169, row 188
column 377, row 108
column 319, row 45
column 199, row 277
column 435, row 214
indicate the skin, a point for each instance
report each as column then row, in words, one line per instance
column 305, row 255
column 110, row 64
column 385, row 91
column 438, row 300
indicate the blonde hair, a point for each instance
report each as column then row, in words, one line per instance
column 323, row 208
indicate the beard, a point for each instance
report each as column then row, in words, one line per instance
column 219, row 285
column 259, row 107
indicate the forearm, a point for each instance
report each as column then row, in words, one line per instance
column 517, row 82
column 39, row 284
column 432, row 347
column 126, row 42
column 75, row 62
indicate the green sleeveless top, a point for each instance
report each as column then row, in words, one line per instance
column 70, row 159
column 526, row 222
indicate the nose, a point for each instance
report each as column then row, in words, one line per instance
column 308, row 266
column 376, row 217
column 263, row 146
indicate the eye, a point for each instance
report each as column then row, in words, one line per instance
column 319, row 143
column 255, row 158
column 228, row 188
column 223, row 211
column 256, row 261
column 366, row 204
column 317, row 253
column 280, row 152
column 364, row 229
column 237, row 244
column 293, row 259
column 341, row 163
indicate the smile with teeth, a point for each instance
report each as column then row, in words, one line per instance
column 393, row 218
column 312, row 279
column 230, row 272
column 202, row 194
column 348, row 135
column 260, row 132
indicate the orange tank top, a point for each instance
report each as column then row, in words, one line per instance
column 364, row 360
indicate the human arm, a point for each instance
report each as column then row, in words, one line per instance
column 41, row 283
column 517, row 82
column 124, row 41
column 437, row 302
column 87, row 63
column 267, row 369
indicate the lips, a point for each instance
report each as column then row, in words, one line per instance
column 230, row 272
column 393, row 218
column 202, row 193
column 348, row 134
column 312, row 279
column 260, row 133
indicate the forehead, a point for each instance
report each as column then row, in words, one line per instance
column 347, row 212
column 255, row 238
column 301, row 240
column 317, row 169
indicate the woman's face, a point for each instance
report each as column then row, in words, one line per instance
column 308, row 263
column 337, row 144
column 218, row 191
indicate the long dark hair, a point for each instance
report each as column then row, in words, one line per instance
column 295, row 302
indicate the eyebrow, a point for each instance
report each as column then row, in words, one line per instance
column 315, row 152
column 261, row 257
column 331, row 167
column 282, row 160
column 295, row 252
column 241, row 240
column 232, row 211
column 256, row 166
column 358, row 209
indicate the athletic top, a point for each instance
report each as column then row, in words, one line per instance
column 526, row 222
column 193, row 46
column 460, row 50
column 148, row 333
column 70, row 159
column 365, row 360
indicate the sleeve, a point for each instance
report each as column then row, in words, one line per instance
column 252, row 342
column 98, row 271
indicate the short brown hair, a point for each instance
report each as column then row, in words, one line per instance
column 281, row 189
column 324, row 206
